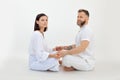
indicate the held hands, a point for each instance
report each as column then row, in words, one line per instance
column 59, row 48
column 59, row 54
column 63, row 53
column 56, row 55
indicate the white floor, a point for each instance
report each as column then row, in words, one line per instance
column 16, row 68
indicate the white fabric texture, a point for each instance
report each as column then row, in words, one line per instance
column 39, row 52
column 84, row 60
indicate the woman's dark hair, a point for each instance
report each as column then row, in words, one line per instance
column 36, row 26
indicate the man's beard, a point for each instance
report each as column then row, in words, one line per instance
column 81, row 24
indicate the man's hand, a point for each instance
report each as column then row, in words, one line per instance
column 63, row 53
column 58, row 48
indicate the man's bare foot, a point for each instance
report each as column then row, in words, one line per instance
column 60, row 62
column 69, row 68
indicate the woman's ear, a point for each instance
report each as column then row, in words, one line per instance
column 37, row 22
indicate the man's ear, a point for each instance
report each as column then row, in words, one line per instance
column 87, row 18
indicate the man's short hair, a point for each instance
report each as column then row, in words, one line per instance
column 85, row 11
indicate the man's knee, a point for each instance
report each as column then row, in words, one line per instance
column 66, row 60
column 67, row 57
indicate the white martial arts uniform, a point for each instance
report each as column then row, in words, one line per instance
column 38, row 54
column 84, row 60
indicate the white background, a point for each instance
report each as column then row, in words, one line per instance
column 17, row 23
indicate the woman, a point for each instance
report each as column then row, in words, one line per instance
column 40, row 56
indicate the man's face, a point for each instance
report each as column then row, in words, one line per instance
column 82, row 18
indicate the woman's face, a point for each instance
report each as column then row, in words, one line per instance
column 42, row 22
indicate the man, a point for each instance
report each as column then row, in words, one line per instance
column 79, row 56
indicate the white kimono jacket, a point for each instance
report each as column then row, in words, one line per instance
column 38, row 54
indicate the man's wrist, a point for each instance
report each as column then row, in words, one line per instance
column 69, row 47
column 68, row 52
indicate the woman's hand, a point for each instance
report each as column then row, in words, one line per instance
column 56, row 55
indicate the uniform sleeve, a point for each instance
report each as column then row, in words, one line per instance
column 50, row 50
column 39, row 50
column 86, row 35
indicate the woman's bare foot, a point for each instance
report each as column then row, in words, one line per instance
column 69, row 68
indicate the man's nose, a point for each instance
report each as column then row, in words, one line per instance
column 78, row 19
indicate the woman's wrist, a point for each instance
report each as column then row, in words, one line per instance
column 51, row 55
